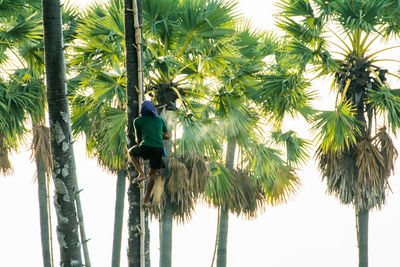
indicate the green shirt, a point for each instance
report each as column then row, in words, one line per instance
column 150, row 129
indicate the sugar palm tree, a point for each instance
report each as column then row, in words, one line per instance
column 22, row 38
column 251, row 173
column 183, row 42
column 340, row 38
column 64, row 173
column 100, row 115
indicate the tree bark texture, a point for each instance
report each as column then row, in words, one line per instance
column 224, row 215
column 60, row 128
column 118, row 218
column 362, row 237
column 166, row 233
column 132, row 113
column 222, row 237
column 44, row 214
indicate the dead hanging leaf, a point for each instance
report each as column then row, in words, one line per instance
column 339, row 171
column 178, row 186
column 370, row 164
column 6, row 167
column 199, row 172
column 387, row 150
column 246, row 198
column 41, row 147
column 158, row 190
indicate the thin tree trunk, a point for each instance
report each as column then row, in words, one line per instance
column 166, row 234
column 166, row 217
column 118, row 218
column 79, row 210
column 223, row 237
column 44, row 215
column 216, row 239
column 224, row 215
column 362, row 237
column 147, row 241
column 132, row 85
column 60, row 128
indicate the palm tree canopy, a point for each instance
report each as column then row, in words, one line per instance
column 340, row 38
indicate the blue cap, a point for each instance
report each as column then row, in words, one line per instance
column 148, row 108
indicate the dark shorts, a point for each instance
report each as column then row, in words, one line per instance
column 154, row 154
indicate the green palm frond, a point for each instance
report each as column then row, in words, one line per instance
column 295, row 8
column 23, row 28
column 108, row 88
column 197, row 136
column 111, row 140
column 337, row 130
column 220, row 185
column 297, row 149
column 388, row 103
column 283, row 93
column 359, row 15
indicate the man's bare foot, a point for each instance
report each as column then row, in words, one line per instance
column 141, row 177
column 145, row 204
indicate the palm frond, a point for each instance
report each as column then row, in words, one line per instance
column 386, row 102
column 337, row 130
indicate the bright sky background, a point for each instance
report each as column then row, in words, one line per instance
column 312, row 230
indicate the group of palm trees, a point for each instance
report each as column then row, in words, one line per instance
column 225, row 90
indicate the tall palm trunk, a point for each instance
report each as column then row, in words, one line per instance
column 118, row 218
column 224, row 212
column 133, row 98
column 44, row 215
column 362, row 237
column 166, row 220
column 166, row 234
column 60, row 128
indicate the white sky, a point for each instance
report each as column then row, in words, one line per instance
column 312, row 230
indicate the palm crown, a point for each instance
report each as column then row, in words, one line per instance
column 339, row 38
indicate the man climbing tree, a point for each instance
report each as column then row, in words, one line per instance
column 150, row 130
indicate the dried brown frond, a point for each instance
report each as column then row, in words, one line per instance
column 246, row 199
column 178, row 186
column 387, row 149
column 199, row 172
column 339, row 171
column 5, row 165
column 158, row 190
column 369, row 163
column 41, row 147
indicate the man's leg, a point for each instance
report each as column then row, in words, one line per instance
column 135, row 161
column 149, row 186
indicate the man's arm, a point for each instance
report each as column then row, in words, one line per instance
column 165, row 135
column 138, row 133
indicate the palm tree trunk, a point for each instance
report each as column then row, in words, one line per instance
column 118, row 218
column 60, row 128
column 224, row 215
column 166, row 234
column 79, row 210
column 223, row 237
column 362, row 237
column 132, row 85
column 147, row 242
column 44, row 215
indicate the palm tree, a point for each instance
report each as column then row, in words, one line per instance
column 64, row 173
column 177, row 62
column 240, row 103
column 339, row 38
column 23, row 39
column 100, row 115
